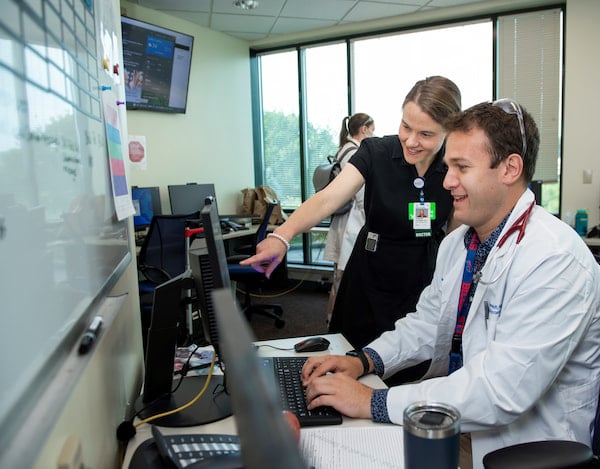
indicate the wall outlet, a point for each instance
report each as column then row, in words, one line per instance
column 587, row 176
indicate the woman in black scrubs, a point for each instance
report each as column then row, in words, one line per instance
column 407, row 214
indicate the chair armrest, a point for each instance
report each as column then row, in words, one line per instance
column 237, row 258
column 541, row 455
column 153, row 274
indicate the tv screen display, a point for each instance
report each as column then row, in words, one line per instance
column 156, row 66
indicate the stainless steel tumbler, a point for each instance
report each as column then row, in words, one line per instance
column 431, row 436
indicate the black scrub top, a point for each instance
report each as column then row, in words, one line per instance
column 380, row 287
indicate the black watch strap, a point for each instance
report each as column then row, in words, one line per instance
column 362, row 357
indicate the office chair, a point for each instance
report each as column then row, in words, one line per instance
column 550, row 454
column 163, row 255
column 249, row 278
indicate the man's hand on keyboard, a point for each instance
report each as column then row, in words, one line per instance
column 342, row 392
column 323, row 364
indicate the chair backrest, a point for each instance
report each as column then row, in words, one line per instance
column 164, row 245
column 549, row 454
column 596, row 434
column 261, row 233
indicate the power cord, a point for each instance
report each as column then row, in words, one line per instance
column 190, row 403
column 276, row 348
column 275, row 295
column 127, row 429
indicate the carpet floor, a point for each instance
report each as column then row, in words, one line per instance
column 304, row 311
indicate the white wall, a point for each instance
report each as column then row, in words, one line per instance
column 582, row 98
column 212, row 141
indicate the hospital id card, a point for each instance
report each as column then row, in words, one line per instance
column 421, row 214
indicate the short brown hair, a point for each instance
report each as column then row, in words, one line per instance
column 503, row 132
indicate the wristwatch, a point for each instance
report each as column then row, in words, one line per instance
column 362, row 357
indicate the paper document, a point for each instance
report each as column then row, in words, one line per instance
column 199, row 359
column 353, row 448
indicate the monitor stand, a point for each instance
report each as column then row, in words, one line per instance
column 213, row 405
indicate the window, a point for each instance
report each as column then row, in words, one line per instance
column 281, row 131
column 306, row 92
column 387, row 67
column 530, row 71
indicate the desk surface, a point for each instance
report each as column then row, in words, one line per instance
column 339, row 345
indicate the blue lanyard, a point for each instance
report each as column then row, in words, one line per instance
column 464, row 303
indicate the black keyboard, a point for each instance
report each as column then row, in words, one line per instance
column 183, row 450
column 287, row 373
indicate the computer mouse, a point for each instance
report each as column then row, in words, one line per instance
column 312, row 344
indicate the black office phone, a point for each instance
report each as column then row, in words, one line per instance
column 188, row 451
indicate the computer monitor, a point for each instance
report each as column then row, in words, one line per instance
column 265, row 436
column 168, row 309
column 161, row 392
column 146, row 201
column 188, row 198
column 208, row 271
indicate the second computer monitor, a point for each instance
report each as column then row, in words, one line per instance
column 146, row 201
column 189, row 198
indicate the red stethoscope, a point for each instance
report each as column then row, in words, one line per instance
column 518, row 225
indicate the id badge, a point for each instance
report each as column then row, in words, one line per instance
column 421, row 214
column 371, row 242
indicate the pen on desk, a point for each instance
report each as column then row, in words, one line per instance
column 91, row 334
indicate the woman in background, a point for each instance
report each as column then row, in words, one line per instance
column 394, row 255
column 344, row 228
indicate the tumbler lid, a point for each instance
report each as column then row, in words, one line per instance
column 433, row 420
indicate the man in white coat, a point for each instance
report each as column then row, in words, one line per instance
column 511, row 317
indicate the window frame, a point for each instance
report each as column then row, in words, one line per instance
column 349, row 40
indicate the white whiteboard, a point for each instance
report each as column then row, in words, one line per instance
column 61, row 246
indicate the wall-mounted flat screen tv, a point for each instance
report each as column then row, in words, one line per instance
column 157, row 66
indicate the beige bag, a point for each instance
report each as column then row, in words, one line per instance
column 248, row 200
column 265, row 195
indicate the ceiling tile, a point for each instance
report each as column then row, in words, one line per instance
column 187, row 5
column 373, row 10
column 246, row 36
column 242, row 23
column 317, row 9
column 195, row 17
column 288, row 16
column 449, row 3
column 295, row 25
column 265, row 7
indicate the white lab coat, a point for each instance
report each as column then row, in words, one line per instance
column 536, row 374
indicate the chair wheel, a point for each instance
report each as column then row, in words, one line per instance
column 279, row 323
